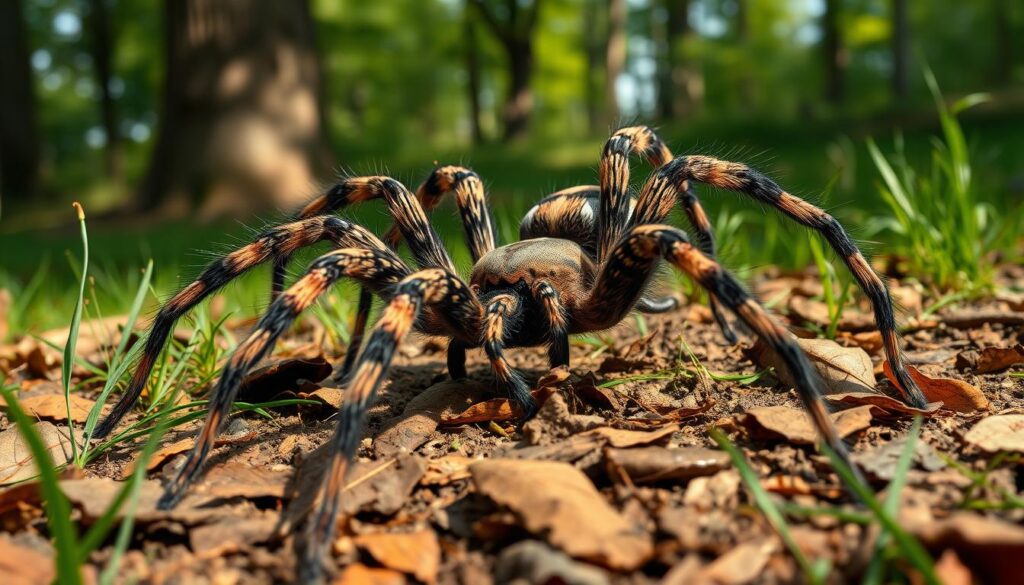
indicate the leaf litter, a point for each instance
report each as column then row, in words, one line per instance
column 614, row 481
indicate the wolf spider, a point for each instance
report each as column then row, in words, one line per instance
column 585, row 260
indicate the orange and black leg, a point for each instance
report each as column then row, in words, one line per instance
column 558, row 328
column 667, row 181
column 621, row 279
column 274, row 243
column 376, row 269
column 502, row 316
column 435, row 289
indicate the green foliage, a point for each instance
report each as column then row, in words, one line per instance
column 947, row 230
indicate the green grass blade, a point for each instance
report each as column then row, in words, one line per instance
column 915, row 554
column 76, row 320
column 767, row 506
column 58, row 509
column 875, row 573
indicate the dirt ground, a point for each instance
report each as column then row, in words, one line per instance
column 616, row 481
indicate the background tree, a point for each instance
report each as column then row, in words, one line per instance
column 513, row 24
column 473, row 87
column 102, row 50
column 239, row 120
column 19, row 143
column 833, row 53
column 900, row 49
column 615, row 57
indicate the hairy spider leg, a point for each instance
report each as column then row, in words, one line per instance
column 558, row 327
column 633, row 259
column 375, row 268
column 501, row 316
column 435, row 288
column 663, row 186
column 274, row 242
column 570, row 213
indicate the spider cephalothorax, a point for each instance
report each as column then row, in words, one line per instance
column 585, row 261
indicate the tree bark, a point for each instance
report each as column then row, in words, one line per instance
column 615, row 56
column 102, row 58
column 594, row 50
column 833, row 53
column 240, row 126
column 19, row 140
column 472, row 56
column 514, row 29
column 900, row 50
column 680, row 83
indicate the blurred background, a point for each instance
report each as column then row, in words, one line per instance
column 183, row 125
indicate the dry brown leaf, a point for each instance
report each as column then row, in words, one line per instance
column 991, row 547
column 556, row 501
column 796, row 426
column 447, row 469
column 16, row 462
column 53, row 407
column 20, row 565
column 955, row 395
column 423, row 414
column 623, row 438
column 414, row 553
column 881, row 404
column 652, row 464
column 1003, row 432
column 869, row 341
column 327, row 395
column 995, row 359
column 496, row 409
column 168, row 451
column 360, row 574
column 742, row 564
column 794, row 485
column 233, row 535
column 843, row 369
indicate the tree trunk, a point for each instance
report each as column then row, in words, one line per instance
column 833, row 53
column 743, row 40
column 102, row 58
column 1005, row 56
column 681, row 84
column 594, row 50
column 240, row 124
column 615, row 56
column 19, row 141
column 900, row 50
column 515, row 31
column 472, row 55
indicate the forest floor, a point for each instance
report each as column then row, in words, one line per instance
column 617, row 480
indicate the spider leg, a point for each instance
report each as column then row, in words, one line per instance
column 634, row 258
column 378, row 269
column 433, row 287
column 273, row 243
column 501, row 316
column 742, row 179
column 554, row 311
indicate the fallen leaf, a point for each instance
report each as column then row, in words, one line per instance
column 327, row 395
column 282, row 375
column 880, row 461
column 623, row 438
column 742, row 564
column 168, row 451
column 53, row 407
column 881, row 404
column 233, row 535
column 16, row 462
column 414, row 553
column 557, row 502
column 1003, row 432
column 843, row 369
column 531, row 561
column 238, row 480
column 991, row 547
column 496, row 409
column 20, row 565
column 360, row 574
column 814, row 311
column 869, row 341
column 796, row 426
column 955, row 395
column 423, row 414
column 653, row 464
column 794, row 485
column 447, row 469
column 951, row 571
column 990, row 359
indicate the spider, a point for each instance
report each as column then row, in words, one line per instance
column 585, row 260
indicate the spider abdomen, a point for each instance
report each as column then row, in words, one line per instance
column 561, row 263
